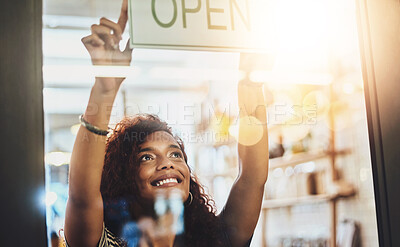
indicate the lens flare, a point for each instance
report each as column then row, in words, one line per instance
column 51, row 198
column 316, row 101
column 74, row 129
column 295, row 133
column 57, row 158
column 250, row 131
column 343, row 119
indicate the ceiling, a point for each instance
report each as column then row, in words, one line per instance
column 82, row 8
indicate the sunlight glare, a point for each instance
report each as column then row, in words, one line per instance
column 250, row 131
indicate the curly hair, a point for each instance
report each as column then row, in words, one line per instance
column 119, row 189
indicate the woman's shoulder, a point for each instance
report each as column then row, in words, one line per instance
column 107, row 239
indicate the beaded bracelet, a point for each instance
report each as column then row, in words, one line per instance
column 92, row 128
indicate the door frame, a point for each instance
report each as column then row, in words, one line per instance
column 22, row 190
column 379, row 36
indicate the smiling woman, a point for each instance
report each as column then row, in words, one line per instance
column 116, row 181
column 162, row 165
column 153, row 159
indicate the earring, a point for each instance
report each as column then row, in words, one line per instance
column 190, row 201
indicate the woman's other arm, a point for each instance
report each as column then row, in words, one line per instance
column 84, row 214
column 243, row 207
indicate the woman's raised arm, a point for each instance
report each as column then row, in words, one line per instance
column 84, row 215
column 243, row 207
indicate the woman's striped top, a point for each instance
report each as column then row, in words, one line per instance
column 108, row 239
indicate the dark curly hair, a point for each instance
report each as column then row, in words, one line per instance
column 119, row 189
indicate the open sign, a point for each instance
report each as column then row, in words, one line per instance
column 223, row 25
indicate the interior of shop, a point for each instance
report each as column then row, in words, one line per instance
column 320, row 188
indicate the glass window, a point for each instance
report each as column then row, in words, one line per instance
column 319, row 186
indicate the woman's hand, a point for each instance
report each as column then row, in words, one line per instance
column 251, row 100
column 103, row 46
column 103, row 42
column 157, row 233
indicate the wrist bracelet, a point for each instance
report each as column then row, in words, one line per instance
column 92, row 128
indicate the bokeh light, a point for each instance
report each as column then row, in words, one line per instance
column 250, row 131
column 51, row 198
column 57, row 158
column 316, row 100
column 74, row 129
column 295, row 133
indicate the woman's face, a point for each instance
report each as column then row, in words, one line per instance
column 161, row 166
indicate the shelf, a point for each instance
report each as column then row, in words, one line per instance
column 280, row 162
column 301, row 158
column 228, row 173
column 311, row 199
column 295, row 159
column 288, row 202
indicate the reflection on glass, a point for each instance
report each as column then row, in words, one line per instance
column 317, row 126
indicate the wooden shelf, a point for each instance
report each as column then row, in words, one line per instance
column 295, row 159
column 301, row 158
column 311, row 199
column 280, row 162
column 288, row 202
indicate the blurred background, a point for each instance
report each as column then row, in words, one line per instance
column 319, row 191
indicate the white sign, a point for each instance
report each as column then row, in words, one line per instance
column 222, row 25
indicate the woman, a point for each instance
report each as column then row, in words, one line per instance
column 116, row 180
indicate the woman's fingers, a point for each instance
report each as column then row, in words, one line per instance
column 103, row 43
column 157, row 233
column 123, row 18
column 117, row 31
column 92, row 40
column 104, row 33
column 147, row 226
column 128, row 50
